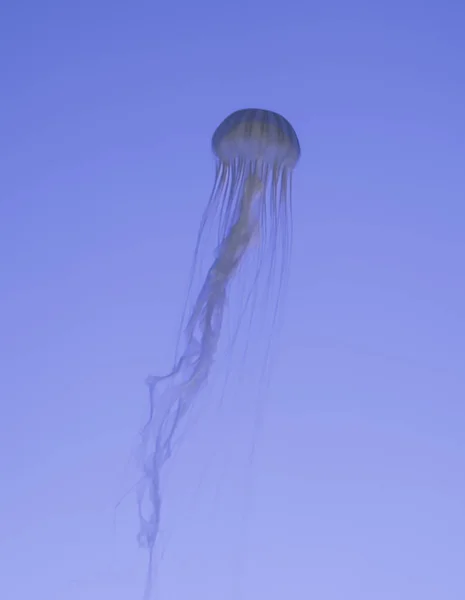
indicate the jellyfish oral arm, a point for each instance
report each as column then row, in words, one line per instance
column 243, row 230
column 191, row 371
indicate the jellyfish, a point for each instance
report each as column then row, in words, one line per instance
column 250, row 206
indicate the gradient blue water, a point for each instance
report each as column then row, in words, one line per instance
column 106, row 115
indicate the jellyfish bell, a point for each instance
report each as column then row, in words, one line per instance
column 256, row 152
column 256, row 135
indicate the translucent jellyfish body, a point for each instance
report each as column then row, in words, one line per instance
column 256, row 152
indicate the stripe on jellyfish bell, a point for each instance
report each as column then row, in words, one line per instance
column 256, row 152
